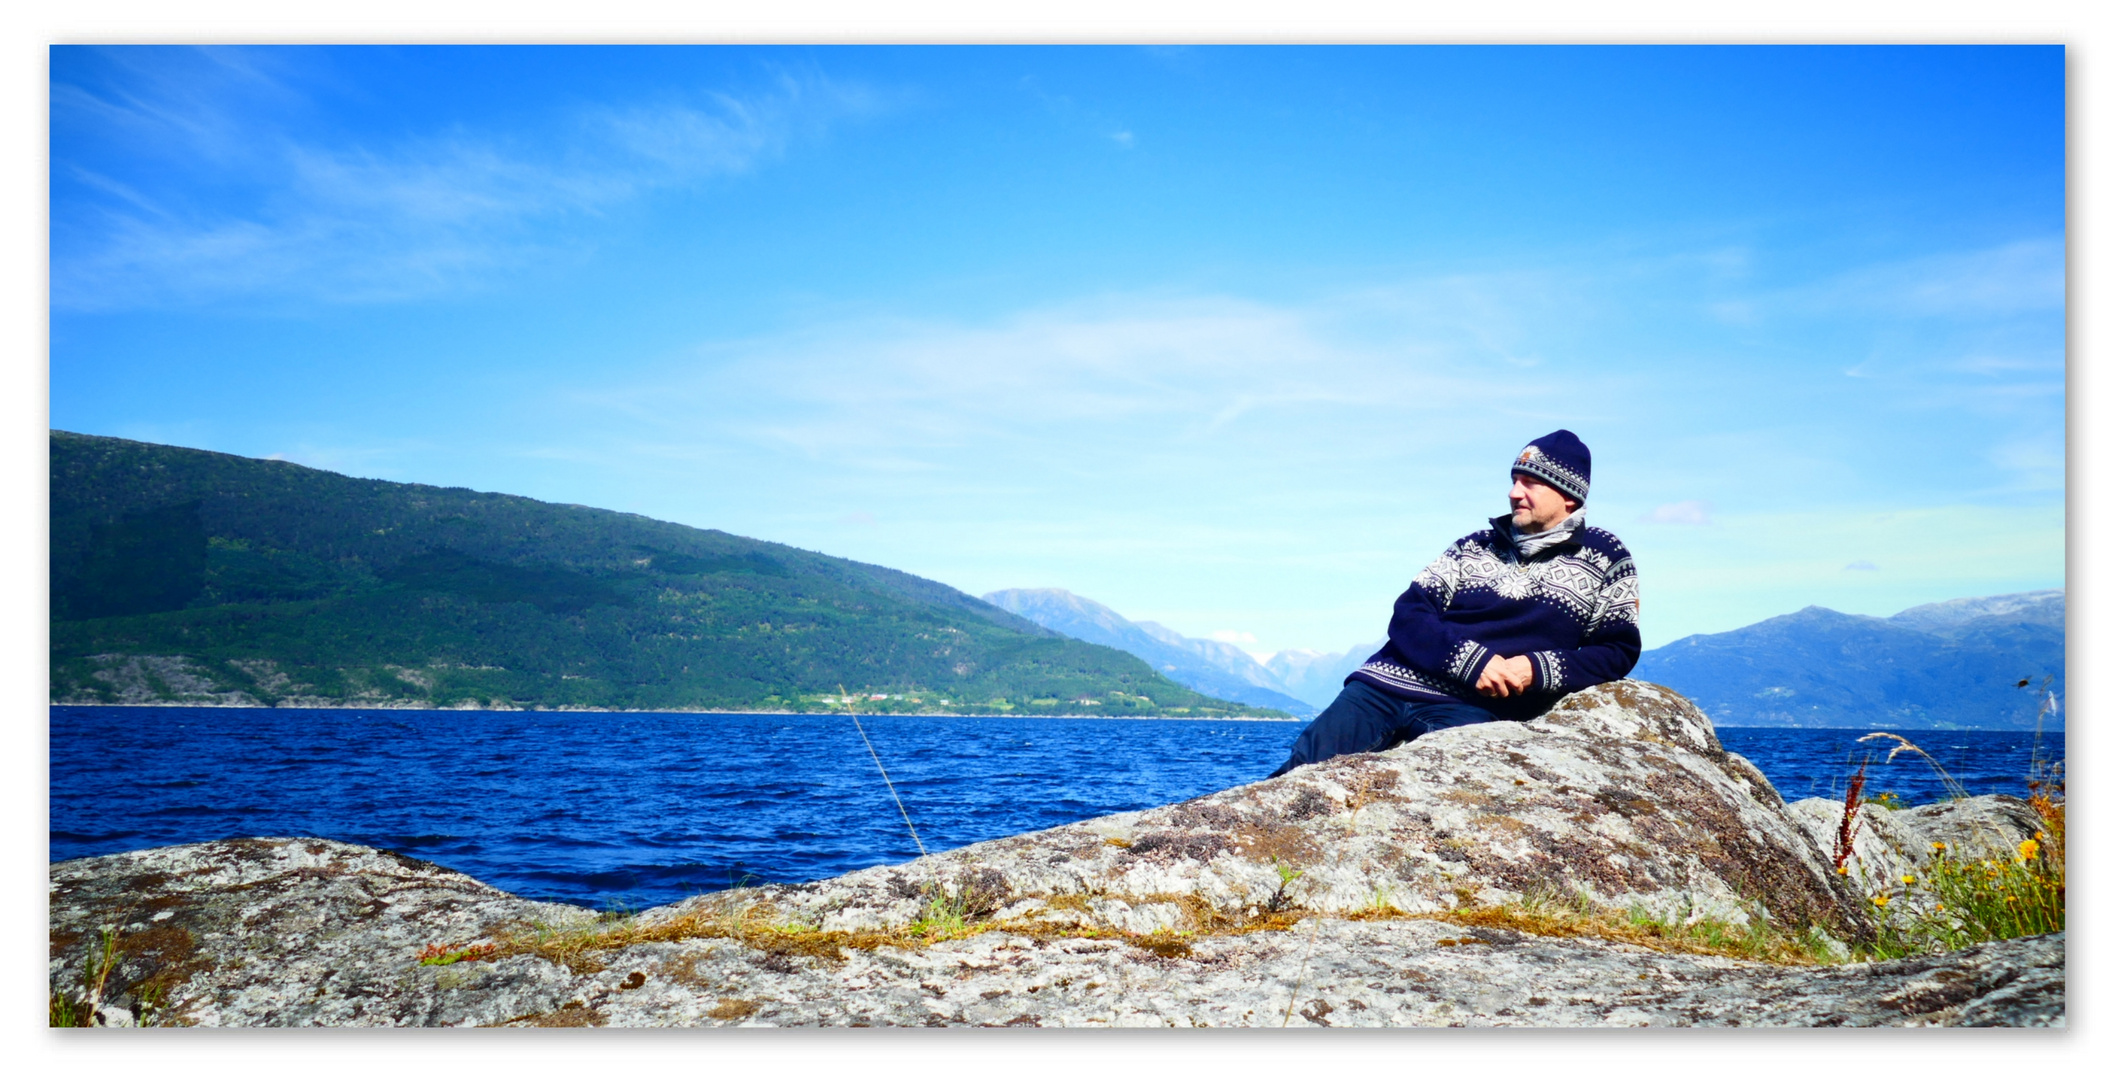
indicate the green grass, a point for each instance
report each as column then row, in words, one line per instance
column 1955, row 902
column 943, row 916
column 95, row 975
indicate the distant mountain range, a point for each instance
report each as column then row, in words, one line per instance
column 1209, row 667
column 187, row 577
column 1954, row 664
column 1316, row 677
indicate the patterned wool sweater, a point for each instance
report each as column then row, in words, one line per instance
column 1570, row 605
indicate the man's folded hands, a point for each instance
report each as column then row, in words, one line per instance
column 1505, row 676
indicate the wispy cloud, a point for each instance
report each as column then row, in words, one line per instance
column 203, row 103
column 288, row 214
column 1173, row 386
column 1072, row 115
column 2037, row 460
column 1686, row 512
column 1400, row 379
column 2022, row 276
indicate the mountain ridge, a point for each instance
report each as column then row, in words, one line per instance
column 1315, row 676
column 1954, row 663
column 189, row 575
column 1210, row 667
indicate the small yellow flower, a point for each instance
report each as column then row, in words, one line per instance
column 1939, row 907
column 2029, row 849
column 1938, row 845
column 1907, row 878
column 1880, row 901
column 1844, row 871
column 2040, row 835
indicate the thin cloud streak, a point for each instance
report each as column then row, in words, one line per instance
column 2025, row 276
column 1400, row 375
column 437, row 213
column 1687, row 512
column 1166, row 380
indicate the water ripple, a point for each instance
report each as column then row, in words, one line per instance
column 631, row 810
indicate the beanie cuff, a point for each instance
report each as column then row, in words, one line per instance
column 1557, row 477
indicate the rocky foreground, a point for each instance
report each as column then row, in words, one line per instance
column 1434, row 884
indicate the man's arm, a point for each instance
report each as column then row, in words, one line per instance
column 1419, row 633
column 1610, row 649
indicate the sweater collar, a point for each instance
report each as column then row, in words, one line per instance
column 1530, row 544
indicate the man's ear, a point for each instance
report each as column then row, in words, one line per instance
column 1570, row 504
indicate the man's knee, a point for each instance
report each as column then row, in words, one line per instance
column 1361, row 719
column 1359, row 708
column 1438, row 717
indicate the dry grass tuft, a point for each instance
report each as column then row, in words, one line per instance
column 582, row 948
column 1753, row 940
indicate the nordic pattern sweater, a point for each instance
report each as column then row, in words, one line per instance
column 1571, row 606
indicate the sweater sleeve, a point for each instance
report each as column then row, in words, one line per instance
column 1611, row 645
column 1418, row 632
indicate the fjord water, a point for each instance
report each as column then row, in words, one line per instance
column 636, row 809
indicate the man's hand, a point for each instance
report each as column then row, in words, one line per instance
column 1506, row 676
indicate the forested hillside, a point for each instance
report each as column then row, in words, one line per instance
column 185, row 575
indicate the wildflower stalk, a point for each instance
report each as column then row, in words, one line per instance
column 1844, row 843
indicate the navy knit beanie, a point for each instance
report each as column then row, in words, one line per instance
column 1561, row 459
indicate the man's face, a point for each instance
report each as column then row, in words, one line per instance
column 1535, row 506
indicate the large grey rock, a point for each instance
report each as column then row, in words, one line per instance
column 1622, row 794
column 1161, row 917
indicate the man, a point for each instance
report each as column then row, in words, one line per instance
column 1503, row 624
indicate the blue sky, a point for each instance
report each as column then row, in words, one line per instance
column 1234, row 339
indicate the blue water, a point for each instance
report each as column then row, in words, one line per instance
column 632, row 810
column 1807, row 762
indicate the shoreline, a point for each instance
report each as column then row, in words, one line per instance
column 650, row 712
column 791, row 712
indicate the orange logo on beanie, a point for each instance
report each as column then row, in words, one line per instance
column 1528, row 454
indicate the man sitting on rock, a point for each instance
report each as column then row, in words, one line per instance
column 1503, row 624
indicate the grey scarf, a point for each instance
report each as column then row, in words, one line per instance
column 1531, row 544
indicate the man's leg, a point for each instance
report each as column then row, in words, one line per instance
column 1426, row 717
column 1361, row 719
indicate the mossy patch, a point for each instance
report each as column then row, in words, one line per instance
column 734, row 1010
column 570, row 1015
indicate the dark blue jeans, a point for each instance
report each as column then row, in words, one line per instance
column 1365, row 718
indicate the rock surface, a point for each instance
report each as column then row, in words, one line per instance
column 1279, row 902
